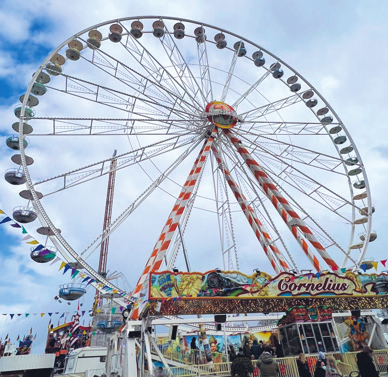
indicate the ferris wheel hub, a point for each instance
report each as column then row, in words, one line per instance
column 221, row 114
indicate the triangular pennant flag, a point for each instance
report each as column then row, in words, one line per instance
column 374, row 264
column 16, row 225
column 1, row 212
column 113, row 310
column 86, row 279
column 63, row 314
column 50, row 314
column 27, row 314
column 39, row 247
column 91, row 281
column 25, row 238
column 34, row 242
column 343, row 270
column 5, row 220
column 83, row 313
column 11, row 315
column 44, row 252
column 318, row 274
column 363, row 267
column 41, row 315
column 24, row 230
column 121, row 308
column 383, row 262
column 17, row 339
column 63, row 264
column 76, row 272
column 67, row 267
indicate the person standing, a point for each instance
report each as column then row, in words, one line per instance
column 255, row 349
column 303, row 367
column 320, row 369
column 247, row 350
column 331, row 368
column 194, row 349
column 365, row 363
column 267, row 365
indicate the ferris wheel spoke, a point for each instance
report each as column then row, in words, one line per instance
column 138, row 82
column 229, row 77
column 101, row 168
column 182, row 69
column 114, row 98
column 296, row 153
column 275, row 106
column 152, row 65
column 117, row 126
column 96, row 243
column 250, row 90
column 224, row 218
column 204, row 68
column 285, row 128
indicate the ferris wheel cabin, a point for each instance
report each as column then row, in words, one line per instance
column 71, row 292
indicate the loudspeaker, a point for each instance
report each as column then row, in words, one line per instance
column 220, row 318
column 134, row 334
column 355, row 313
column 218, row 326
column 173, row 332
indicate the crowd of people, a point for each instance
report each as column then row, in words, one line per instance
column 324, row 367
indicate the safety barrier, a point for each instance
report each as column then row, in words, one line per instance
column 346, row 363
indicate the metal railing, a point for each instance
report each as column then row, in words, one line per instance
column 346, row 363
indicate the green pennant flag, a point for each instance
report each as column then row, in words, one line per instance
column 93, row 333
column 343, row 270
column 113, row 310
column 27, row 314
column 24, row 230
column 76, row 272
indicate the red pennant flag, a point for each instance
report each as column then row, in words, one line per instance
column 383, row 262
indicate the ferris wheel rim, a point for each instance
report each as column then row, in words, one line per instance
column 36, row 201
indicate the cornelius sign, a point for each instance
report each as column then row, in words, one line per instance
column 329, row 285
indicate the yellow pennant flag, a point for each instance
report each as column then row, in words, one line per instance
column 374, row 264
column 33, row 242
column 63, row 264
column 2, row 212
column 98, row 310
column 41, row 314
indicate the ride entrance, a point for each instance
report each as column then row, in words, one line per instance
column 234, row 148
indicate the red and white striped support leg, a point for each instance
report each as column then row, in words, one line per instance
column 284, row 208
column 189, row 190
column 257, row 227
column 158, row 252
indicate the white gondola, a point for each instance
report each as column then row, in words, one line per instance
column 24, row 215
column 71, row 292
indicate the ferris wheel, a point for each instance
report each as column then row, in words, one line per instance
column 235, row 142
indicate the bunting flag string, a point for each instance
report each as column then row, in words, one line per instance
column 44, row 252
column 12, row 315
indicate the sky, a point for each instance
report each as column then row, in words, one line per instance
column 339, row 47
